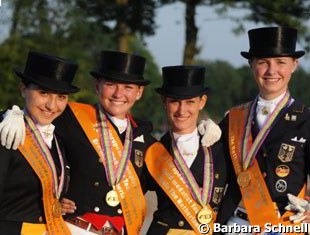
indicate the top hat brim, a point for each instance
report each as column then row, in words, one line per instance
column 181, row 92
column 49, row 84
column 248, row 55
column 120, row 77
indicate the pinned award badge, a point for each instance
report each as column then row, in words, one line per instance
column 138, row 158
column 282, row 171
column 281, row 186
column 286, row 152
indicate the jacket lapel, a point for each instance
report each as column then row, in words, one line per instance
column 288, row 120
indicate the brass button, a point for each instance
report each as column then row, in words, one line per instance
column 40, row 219
column 119, row 211
column 100, row 160
column 96, row 184
column 264, row 174
column 181, row 223
column 265, row 154
column 96, row 209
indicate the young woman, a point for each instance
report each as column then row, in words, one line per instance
column 188, row 176
column 33, row 178
column 269, row 137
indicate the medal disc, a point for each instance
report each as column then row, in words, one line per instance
column 243, row 179
column 57, row 209
column 112, row 198
column 204, row 216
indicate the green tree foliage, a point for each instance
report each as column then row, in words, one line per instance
column 285, row 13
column 224, row 83
column 122, row 18
column 77, row 38
column 299, row 86
column 150, row 106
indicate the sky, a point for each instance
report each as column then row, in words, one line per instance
column 215, row 37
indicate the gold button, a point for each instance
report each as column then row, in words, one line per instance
column 96, row 184
column 264, row 174
column 100, row 160
column 181, row 223
column 40, row 219
column 265, row 154
column 119, row 211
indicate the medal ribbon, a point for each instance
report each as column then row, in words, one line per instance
column 113, row 177
column 202, row 196
column 249, row 151
column 44, row 151
column 128, row 189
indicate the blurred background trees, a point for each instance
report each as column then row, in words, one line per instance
column 80, row 29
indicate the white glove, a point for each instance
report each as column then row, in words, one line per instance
column 297, row 205
column 12, row 128
column 210, row 132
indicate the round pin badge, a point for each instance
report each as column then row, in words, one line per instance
column 281, row 186
column 282, row 171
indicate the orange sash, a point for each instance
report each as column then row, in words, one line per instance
column 129, row 189
column 256, row 195
column 161, row 166
column 31, row 152
column 33, row 229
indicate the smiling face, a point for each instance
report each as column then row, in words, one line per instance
column 183, row 113
column 118, row 98
column 272, row 75
column 43, row 106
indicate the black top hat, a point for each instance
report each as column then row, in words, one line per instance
column 183, row 82
column 272, row 42
column 121, row 67
column 49, row 72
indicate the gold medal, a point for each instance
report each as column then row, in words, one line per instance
column 57, row 209
column 112, row 198
column 243, row 179
column 204, row 216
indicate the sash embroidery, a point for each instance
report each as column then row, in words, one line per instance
column 32, row 153
column 255, row 195
column 128, row 189
column 162, row 168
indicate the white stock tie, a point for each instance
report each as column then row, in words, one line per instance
column 188, row 146
column 264, row 108
column 121, row 124
column 47, row 132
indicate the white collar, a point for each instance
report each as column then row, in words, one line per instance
column 185, row 137
column 121, row 124
column 274, row 101
column 47, row 132
column 188, row 145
